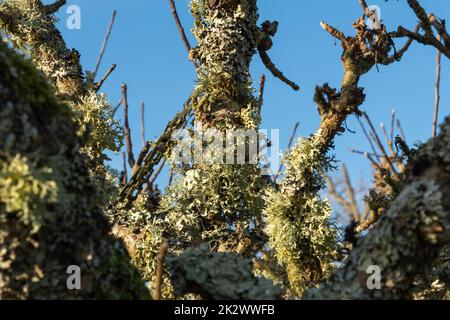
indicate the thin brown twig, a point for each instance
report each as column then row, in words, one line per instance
column 378, row 156
column 437, row 88
column 351, row 194
column 124, row 170
column 392, row 124
column 380, row 145
column 374, row 163
column 99, row 84
column 262, row 82
column 366, row 134
column 157, row 173
column 181, row 30
column 389, row 142
column 105, row 42
column 117, row 106
column 172, row 172
column 334, row 193
column 400, row 129
column 128, row 142
column 291, row 140
column 275, row 71
column 143, row 124
column 159, row 270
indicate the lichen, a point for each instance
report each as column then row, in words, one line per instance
column 218, row 276
column 49, row 218
column 27, row 190
column 32, row 31
column 298, row 221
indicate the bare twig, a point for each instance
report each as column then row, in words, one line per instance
column 378, row 156
column 117, row 106
column 128, row 142
column 172, row 172
column 157, row 173
column 105, row 42
column 262, row 82
column 275, row 71
column 99, row 84
column 437, row 88
column 159, row 270
column 181, row 30
column 400, row 129
column 427, row 23
column 366, row 134
column 124, row 170
column 336, row 195
column 392, row 124
column 374, row 163
column 143, row 124
column 389, row 142
column 142, row 173
column 351, row 194
column 380, row 146
column 291, row 140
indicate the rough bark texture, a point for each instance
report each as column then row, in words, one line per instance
column 48, row 216
column 407, row 238
column 218, row 276
column 32, row 28
column 226, row 33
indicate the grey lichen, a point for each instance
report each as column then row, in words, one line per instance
column 218, row 276
column 32, row 30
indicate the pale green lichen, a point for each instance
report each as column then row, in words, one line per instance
column 27, row 190
column 298, row 221
column 49, row 218
column 28, row 26
column 98, row 126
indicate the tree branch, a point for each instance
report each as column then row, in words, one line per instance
column 105, row 42
column 128, row 142
column 181, row 30
column 54, row 7
column 411, row 233
column 99, row 84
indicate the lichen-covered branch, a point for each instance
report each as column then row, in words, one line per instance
column 150, row 157
column 296, row 208
column 49, row 214
column 31, row 26
column 407, row 237
column 218, row 276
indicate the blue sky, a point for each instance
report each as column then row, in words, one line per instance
column 152, row 60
